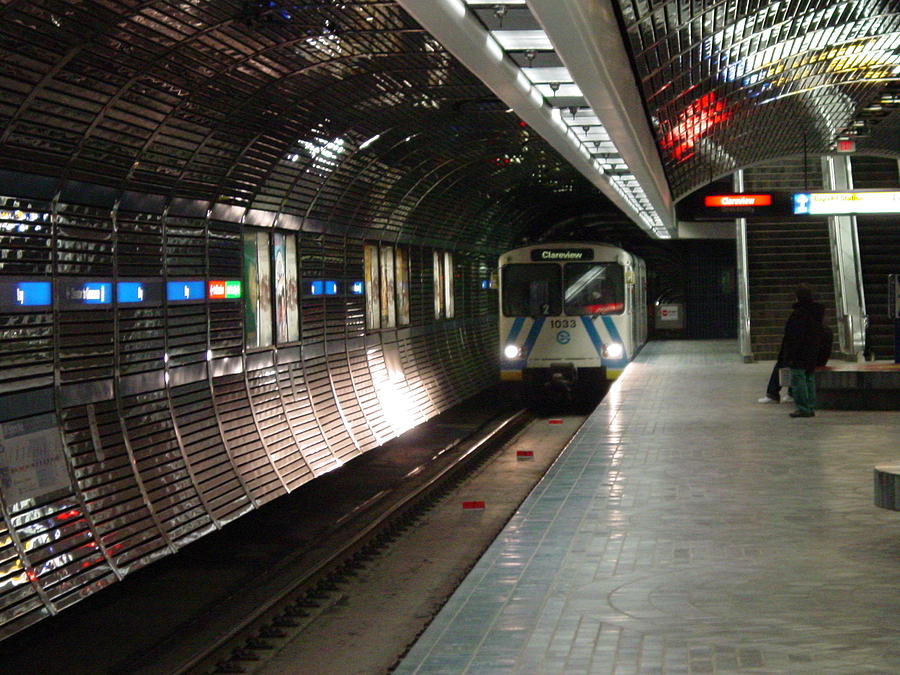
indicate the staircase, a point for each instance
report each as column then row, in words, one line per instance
column 780, row 255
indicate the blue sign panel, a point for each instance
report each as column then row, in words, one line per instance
column 29, row 294
column 801, row 203
column 77, row 293
column 131, row 291
column 96, row 293
column 357, row 288
column 323, row 287
column 183, row 291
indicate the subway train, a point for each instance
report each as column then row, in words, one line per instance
column 572, row 315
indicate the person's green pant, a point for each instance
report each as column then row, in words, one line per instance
column 803, row 389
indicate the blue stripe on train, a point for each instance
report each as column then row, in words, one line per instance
column 611, row 327
column 532, row 336
column 593, row 334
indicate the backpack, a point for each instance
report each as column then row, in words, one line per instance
column 824, row 346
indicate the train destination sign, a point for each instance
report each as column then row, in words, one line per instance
column 846, row 203
column 23, row 295
column 561, row 254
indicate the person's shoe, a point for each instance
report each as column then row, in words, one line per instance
column 787, row 399
column 766, row 399
column 798, row 413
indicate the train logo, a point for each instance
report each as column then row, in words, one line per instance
column 563, row 337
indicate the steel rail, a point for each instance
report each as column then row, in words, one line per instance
column 219, row 657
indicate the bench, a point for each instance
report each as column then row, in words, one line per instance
column 858, row 386
column 887, row 486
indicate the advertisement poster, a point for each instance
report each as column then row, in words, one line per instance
column 32, row 461
column 282, row 295
column 264, row 306
column 251, row 297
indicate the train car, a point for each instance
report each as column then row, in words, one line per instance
column 572, row 315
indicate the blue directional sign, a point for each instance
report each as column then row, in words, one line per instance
column 96, row 293
column 80, row 294
column 357, row 288
column 323, row 287
column 801, row 203
column 23, row 294
column 185, row 291
column 131, row 291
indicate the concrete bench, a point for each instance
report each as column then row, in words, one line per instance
column 858, row 386
column 887, row 486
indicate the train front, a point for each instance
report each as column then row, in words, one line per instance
column 564, row 325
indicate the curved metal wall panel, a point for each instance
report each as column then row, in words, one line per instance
column 141, row 141
column 166, row 427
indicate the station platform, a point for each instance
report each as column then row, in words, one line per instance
column 687, row 528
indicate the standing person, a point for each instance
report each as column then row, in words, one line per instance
column 803, row 335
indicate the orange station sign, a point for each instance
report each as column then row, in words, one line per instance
column 737, row 201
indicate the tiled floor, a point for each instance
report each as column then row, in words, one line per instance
column 689, row 529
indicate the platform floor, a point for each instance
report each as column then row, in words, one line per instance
column 689, row 529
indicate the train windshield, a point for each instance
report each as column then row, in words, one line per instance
column 595, row 288
column 532, row 290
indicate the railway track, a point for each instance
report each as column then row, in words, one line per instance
column 288, row 613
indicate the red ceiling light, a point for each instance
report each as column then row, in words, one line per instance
column 695, row 122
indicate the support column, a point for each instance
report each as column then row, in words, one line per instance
column 743, row 277
column 849, row 297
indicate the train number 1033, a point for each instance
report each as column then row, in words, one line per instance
column 563, row 323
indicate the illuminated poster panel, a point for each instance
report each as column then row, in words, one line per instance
column 25, row 295
column 251, row 297
column 264, row 306
column 402, row 284
column 846, row 203
column 32, row 462
column 284, row 256
column 372, row 286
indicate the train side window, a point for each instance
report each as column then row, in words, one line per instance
column 531, row 290
column 594, row 288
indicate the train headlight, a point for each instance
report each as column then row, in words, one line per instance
column 614, row 350
column 511, row 351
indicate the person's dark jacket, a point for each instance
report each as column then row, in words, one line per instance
column 803, row 335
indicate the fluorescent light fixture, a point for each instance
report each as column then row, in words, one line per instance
column 366, row 144
column 521, row 40
column 566, row 90
column 547, row 75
